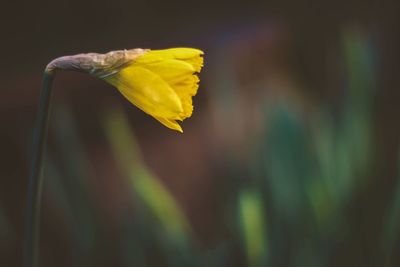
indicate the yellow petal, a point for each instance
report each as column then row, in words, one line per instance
column 179, row 75
column 147, row 91
column 170, row 70
column 196, row 62
column 183, row 52
column 170, row 124
column 189, row 55
column 172, row 53
column 186, row 89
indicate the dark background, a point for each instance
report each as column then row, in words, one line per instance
column 278, row 76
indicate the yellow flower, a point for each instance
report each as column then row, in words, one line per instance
column 161, row 83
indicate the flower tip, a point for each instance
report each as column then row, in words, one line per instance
column 178, row 128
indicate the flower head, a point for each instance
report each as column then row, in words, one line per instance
column 159, row 82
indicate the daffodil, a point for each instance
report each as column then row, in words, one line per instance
column 159, row 82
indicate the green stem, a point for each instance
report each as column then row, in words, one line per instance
column 35, row 181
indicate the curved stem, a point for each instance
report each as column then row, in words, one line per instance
column 35, row 180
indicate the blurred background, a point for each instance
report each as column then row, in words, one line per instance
column 291, row 157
